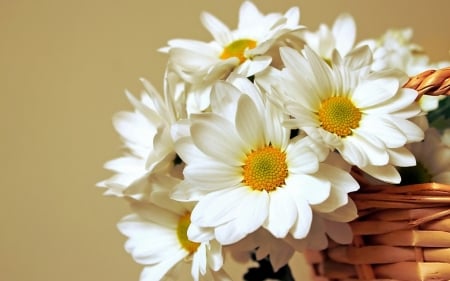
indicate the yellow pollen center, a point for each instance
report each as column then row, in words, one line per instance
column 182, row 227
column 265, row 169
column 339, row 115
column 237, row 49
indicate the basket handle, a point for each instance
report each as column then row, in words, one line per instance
column 431, row 82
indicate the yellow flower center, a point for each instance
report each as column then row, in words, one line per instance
column 237, row 49
column 339, row 115
column 265, row 169
column 183, row 224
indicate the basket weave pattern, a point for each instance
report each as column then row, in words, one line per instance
column 402, row 232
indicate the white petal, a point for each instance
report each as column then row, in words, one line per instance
column 214, row 255
column 217, row 138
column 382, row 129
column 358, row 58
column 413, row 132
column 282, row 213
column 193, row 45
column 322, row 74
column 346, row 213
column 217, row 28
column 224, row 99
column 126, row 164
column 245, row 86
column 309, row 188
column 198, row 265
column 339, row 178
column 371, row 92
column 253, row 66
column 352, row 153
column 297, row 67
column 186, row 191
column 248, row 123
column 342, row 183
column 276, row 134
column 188, row 152
column 195, row 58
column 411, row 111
column 199, row 234
column 230, row 233
column 403, row 99
column 401, row 157
column 294, row 61
column 293, row 16
column 248, row 15
column 344, row 30
column 217, row 208
column 157, row 271
column 386, row 173
column 301, row 160
column 252, row 212
column 376, row 155
column 213, row 175
column 304, row 219
column 153, row 213
column 134, row 128
column 148, row 242
column 303, row 116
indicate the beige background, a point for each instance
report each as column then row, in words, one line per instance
column 63, row 68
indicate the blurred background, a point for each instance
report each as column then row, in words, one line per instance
column 64, row 66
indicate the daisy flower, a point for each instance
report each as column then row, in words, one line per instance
column 242, row 50
column 341, row 37
column 146, row 134
column 433, row 160
column 157, row 239
column 246, row 172
column 362, row 115
column 395, row 49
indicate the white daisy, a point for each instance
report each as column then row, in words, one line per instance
column 242, row 50
column 341, row 37
column 146, row 134
column 157, row 239
column 246, row 173
column 433, row 160
column 395, row 49
column 363, row 115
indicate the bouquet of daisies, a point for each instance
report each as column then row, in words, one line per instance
column 250, row 147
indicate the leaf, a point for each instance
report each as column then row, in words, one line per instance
column 440, row 118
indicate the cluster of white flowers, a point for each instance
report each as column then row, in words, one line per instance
column 251, row 144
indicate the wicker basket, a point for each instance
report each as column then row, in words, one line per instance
column 402, row 232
